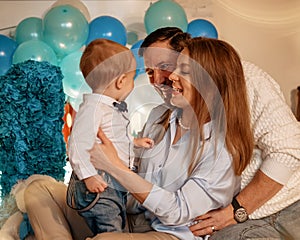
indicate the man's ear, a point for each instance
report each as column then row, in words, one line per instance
column 121, row 81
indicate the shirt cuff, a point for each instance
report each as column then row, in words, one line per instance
column 278, row 171
column 83, row 173
column 154, row 201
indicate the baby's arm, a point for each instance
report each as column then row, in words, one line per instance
column 95, row 184
column 143, row 142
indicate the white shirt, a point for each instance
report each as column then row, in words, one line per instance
column 176, row 198
column 277, row 140
column 98, row 111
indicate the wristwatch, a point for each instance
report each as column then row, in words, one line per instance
column 239, row 212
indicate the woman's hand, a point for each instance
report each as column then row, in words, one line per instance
column 213, row 221
column 104, row 155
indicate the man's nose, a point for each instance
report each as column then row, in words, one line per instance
column 159, row 77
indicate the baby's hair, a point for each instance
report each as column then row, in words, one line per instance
column 104, row 60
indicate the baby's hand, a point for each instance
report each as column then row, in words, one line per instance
column 95, row 184
column 143, row 142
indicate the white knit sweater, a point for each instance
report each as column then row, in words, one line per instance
column 277, row 140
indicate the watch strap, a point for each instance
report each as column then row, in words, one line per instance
column 235, row 204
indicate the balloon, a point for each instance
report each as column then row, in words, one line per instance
column 132, row 37
column 7, row 49
column 35, row 50
column 140, row 67
column 75, row 102
column 109, row 28
column 165, row 13
column 73, row 82
column 135, row 31
column 65, row 29
column 74, row 3
column 140, row 102
column 29, row 29
column 202, row 28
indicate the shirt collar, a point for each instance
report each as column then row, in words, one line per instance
column 207, row 127
column 97, row 98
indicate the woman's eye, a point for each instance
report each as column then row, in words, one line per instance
column 184, row 72
column 184, row 69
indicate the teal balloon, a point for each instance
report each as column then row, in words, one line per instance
column 73, row 82
column 202, row 28
column 65, row 29
column 132, row 37
column 35, row 50
column 165, row 13
column 29, row 29
column 7, row 49
column 75, row 102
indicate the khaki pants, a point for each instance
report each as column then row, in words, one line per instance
column 51, row 218
column 49, row 215
column 136, row 236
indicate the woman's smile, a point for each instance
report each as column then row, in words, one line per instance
column 176, row 91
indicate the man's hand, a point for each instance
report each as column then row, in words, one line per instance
column 95, row 184
column 213, row 221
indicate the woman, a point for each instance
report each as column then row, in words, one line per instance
column 195, row 164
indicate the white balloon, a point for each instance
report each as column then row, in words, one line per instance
column 140, row 102
column 74, row 3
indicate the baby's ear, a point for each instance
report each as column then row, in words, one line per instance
column 121, row 81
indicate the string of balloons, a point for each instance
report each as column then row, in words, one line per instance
column 66, row 28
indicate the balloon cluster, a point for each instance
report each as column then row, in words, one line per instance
column 66, row 29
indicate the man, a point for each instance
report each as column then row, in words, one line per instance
column 271, row 183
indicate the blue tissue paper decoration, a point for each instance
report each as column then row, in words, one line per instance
column 31, row 112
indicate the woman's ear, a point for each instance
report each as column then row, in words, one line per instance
column 121, row 80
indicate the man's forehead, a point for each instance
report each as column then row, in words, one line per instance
column 155, row 55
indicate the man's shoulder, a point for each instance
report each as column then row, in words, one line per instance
column 160, row 109
column 260, row 81
column 157, row 112
column 251, row 70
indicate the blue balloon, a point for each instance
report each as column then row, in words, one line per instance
column 35, row 50
column 140, row 65
column 7, row 49
column 73, row 82
column 202, row 28
column 65, row 29
column 29, row 29
column 109, row 28
column 165, row 13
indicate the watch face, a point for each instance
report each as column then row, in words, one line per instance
column 240, row 215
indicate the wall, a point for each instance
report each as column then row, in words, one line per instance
column 264, row 32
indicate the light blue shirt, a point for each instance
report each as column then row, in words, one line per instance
column 176, row 198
